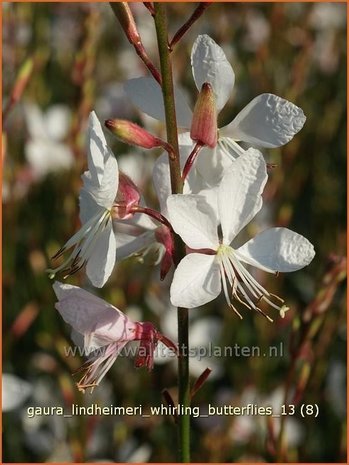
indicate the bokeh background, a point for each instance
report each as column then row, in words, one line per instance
column 76, row 59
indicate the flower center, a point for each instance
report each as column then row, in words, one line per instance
column 243, row 286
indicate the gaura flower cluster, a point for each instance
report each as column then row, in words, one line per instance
column 223, row 184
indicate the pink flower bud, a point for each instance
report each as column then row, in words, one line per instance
column 204, row 123
column 127, row 197
column 132, row 134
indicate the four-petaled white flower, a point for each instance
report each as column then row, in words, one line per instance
column 267, row 121
column 214, row 264
column 94, row 245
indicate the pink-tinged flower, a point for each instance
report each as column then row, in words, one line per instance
column 105, row 331
column 127, row 197
column 106, row 195
column 200, row 277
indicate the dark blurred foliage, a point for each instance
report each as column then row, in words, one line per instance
column 81, row 59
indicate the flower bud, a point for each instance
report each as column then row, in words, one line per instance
column 132, row 134
column 123, row 13
column 127, row 197
column 204, row 124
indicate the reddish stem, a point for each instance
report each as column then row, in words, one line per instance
column 191, row 159
column 140, row 50
column 153, row 214
column 194, row 17
column 200, row 381
column 149, row 6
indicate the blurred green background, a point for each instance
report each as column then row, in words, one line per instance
column 80, row 60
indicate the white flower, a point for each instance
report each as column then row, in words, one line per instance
column 45, row 149
column 267, row 121
column 109, row 230
column 200, row 276
column 15, row 392
column 95, row 244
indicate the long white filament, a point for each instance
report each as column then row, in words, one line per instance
column 83, row 242
column 243, row 285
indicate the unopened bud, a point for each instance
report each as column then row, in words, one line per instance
column 123, row 13
column 132, row 134
column 204, row 124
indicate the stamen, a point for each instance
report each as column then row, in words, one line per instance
column 225, row 289
column 227, row 143
column 83, row 240
column 243, row 284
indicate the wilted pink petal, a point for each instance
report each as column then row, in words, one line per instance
column 106, row 331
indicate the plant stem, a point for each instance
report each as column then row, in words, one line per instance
column 124, row 14
column 168, row 95
column 183, row 424
column 186, row 26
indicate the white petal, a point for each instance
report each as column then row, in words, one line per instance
column 128, row 245
column 277, row 249
column 35, row 121
column 81, row 309
column 184, row 139
column 145, row 93
column 88, row 206
column 58, row 121
column 98, row 149
column 196, row 281
column 105, row 192
column 162, row 181
column 15, row 392
column 267, row 121
column 102, row 260
column 210, row 64
column 212, row 164
column 100, row 322
column 45, row 156
column 194, row 220
column 161, row 174
column 239, row 193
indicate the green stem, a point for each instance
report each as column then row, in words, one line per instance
column 177, row 187
column 168, row 94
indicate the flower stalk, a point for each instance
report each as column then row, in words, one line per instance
column 183, row 424
column 199, row 10
column 123, row 13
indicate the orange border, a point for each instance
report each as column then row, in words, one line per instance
column 1, row 172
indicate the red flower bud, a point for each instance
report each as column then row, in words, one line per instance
column 204, row 124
